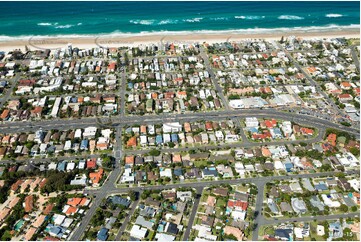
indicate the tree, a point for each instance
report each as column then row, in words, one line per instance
column 355, row 151
column 132, row 195
column 354, row 208
column 107, row 162
column 344, row 208
column 154, row 152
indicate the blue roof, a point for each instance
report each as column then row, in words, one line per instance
column 321, row 186
column 159, row 139
column 84, row 144
column 174, row 137
column 120, row 200
column 277, row 130
column 102, row 234
column 178, row 172
column 253, row 130
column 56, row 230
column 209, row 172
column 130, row 84
column 74, row 100
column 288, row 166
column 61, row 166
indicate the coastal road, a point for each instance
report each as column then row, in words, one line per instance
column 193, row 213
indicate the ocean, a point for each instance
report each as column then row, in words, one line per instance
column 24, row 19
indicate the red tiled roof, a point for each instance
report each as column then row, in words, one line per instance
column 91, row 163
column 29, row 203
column 239, row 204
column 74, row 201
column 48, row 209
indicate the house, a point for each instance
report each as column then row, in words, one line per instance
column 208, row 220
column 344, row 184
column 219, row 191
column 95, row 177
column 132, row 142
column 286, row 207
column 138, row 232
column 151, row 176
column 298, row 205
column 209, row 173
column 4, row 213
column 120, row 201
column 272, row 206
column 102, row 234
column 29, row 234
column 345, row 85
column 335, row 231
column 171, row 228
column 316, row 202
column 236, row 232
column 152, row 202
column 306, row 131
column 29, row 203
column 284, row 234
column 184, row 196
column 91, row 163
column 251, row 122
column 345, row 97
column 164, row 237
column 143, row 222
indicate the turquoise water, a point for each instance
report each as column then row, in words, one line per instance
column 20, row 19
column 19, row 224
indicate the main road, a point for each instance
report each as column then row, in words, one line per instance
column 8, row 127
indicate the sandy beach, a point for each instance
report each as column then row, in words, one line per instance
column 34, row 43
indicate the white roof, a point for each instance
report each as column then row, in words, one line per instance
column 67, row 222
column 164, row 237
column 52, row 166
column 166, row 172
column 138, row 232
column 58, row 219
column 70, row 166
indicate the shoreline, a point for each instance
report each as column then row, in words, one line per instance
column 38, row 42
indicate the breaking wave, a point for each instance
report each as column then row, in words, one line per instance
column 333, row 15
column 250, row 17
column 290, row 17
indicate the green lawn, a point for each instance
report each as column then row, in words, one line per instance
column 200, row 163
column 221, row 203
column 264, row 230
column 150, row 235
